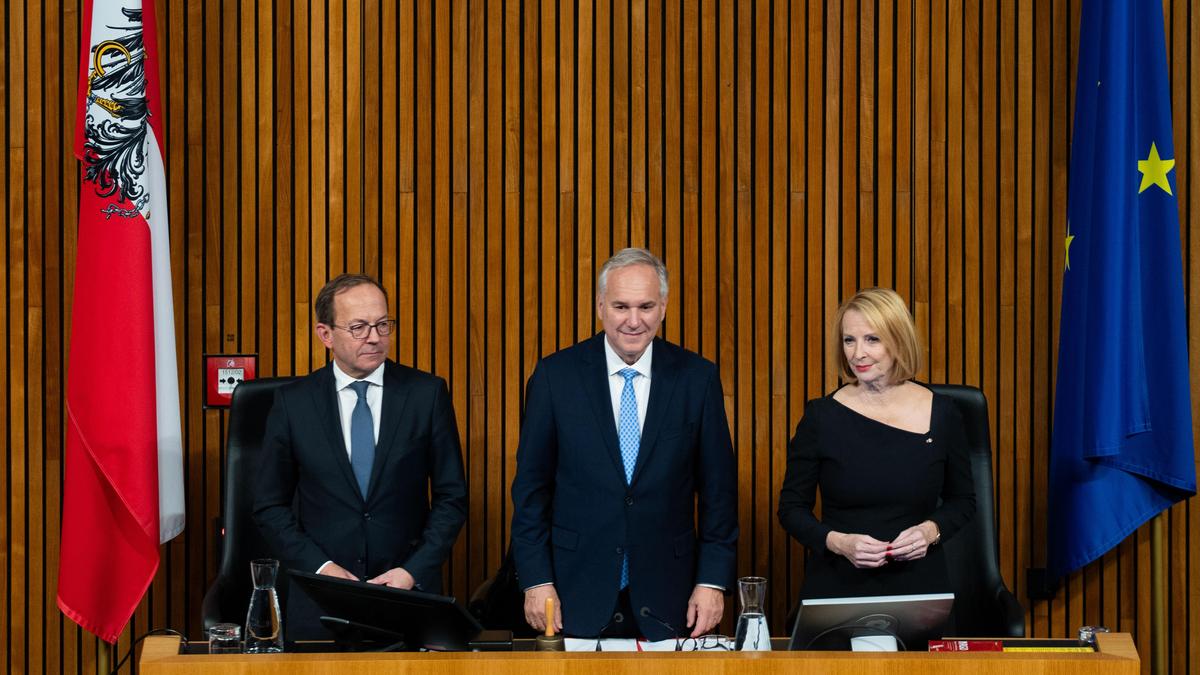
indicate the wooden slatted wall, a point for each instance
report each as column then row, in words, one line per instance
column 483, row 158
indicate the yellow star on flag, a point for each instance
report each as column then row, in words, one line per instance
column 1154, row 171
column 1070, row 238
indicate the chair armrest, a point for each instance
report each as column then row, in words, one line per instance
column 1011, row 613
column 477, row 605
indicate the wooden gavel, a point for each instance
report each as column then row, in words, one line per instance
column 548, row 641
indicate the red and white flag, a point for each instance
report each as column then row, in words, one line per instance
column 123, row 492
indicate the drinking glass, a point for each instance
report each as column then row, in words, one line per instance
column 225, row 638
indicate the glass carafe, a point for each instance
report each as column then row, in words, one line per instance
column 752, row 632
column 264, row 623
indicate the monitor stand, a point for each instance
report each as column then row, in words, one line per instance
column 880, row 636
column 360, row 637
column 873, row 643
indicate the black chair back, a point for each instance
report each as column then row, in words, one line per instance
column 499, row 603
column 983, row 605
column 240, row 542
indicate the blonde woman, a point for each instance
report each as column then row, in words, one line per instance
column 889, row 458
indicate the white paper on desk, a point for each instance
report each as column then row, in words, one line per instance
column 660, row 646
column 618, row 645
column 606, row 645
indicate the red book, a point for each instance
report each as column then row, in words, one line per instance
column 966, row 645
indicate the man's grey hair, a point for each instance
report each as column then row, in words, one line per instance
column 632, row 256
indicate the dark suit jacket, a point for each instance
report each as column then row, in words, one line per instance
column 573, row 514
column 309, row 506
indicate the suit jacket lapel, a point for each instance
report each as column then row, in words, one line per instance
column 595, row 384
column 664, row 373
column 395, row 395
column 325, row 400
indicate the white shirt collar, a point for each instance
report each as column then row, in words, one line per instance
column 615, row 364
column 341, row 380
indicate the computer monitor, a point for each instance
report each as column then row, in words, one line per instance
column 830, row 623
column 358, row 612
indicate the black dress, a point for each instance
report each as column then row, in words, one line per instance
column 876, row 480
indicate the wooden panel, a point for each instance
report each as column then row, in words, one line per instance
column 547, row 179
column 565, row 85
column 708, row 134
column 55, row 659
column 476, row 445
column 585, row 168
column 619, row 81
column 484, row 157
column 16, row 498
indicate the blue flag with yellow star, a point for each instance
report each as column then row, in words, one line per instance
column 1121, row 448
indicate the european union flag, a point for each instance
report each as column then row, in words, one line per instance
column 1122, row 440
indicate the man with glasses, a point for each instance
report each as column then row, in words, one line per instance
column 362, row 473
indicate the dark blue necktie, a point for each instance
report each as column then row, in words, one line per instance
column 362, row 437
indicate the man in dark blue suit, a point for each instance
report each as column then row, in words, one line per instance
column 361, row 473
column 625, row 499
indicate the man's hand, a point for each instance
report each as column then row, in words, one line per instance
column 332, row 569
column 861, row 550
column 397, row 577
column 535, row 607
column 705, row 609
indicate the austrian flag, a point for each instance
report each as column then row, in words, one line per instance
column 123, row 489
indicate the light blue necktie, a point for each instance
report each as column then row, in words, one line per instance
column 629, row 434
column 362, row 437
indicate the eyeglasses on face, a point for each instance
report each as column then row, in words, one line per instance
column 361, row 330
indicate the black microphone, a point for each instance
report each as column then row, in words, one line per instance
column 617, row 618
column 651, row 615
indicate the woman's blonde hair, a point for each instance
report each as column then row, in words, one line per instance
column 888, row 316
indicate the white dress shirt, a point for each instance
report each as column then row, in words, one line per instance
column 347, row 399
column 641, row 383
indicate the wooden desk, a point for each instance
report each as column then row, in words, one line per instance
column 160, row 656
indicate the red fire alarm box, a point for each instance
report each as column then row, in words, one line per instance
column 223, row 373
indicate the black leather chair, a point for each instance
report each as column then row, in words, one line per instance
column 983, row 605
column 240, row 542
column 499, row 603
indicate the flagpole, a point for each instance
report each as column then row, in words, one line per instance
column 1158, row 599
column 103, row 660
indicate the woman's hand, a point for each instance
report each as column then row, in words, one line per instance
column 861, row 550
column 914, row 543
